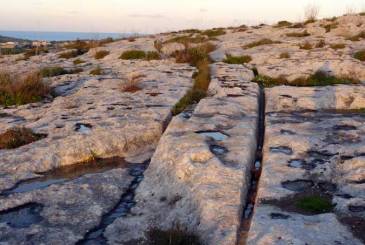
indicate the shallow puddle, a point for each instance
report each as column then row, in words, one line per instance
column 281, row 149
column 83, row 128
column 218, row 150
column 67, row 173
column 22, row 216
column 215, row 135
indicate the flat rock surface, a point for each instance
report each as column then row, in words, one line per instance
column 205, row 159
column 312, row 153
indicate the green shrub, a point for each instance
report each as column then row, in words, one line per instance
column 20, row 90
column 187, row 39
column 314, row 204
column 16, row 137
column 360, row 55
column 298, row 34
column 237, row 59
column 133, row 55
column 72, row 54
column 53, row 71
column 153, row 55
column 101, row 54
column 214, row 32
column 317, row 79
column 194, row 55
column 283, row 23
column 261, row 42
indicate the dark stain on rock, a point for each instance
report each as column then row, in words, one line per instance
column 279, row 216
column 298, row 185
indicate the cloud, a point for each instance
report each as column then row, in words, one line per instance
column 147, row 16
column 203, row 10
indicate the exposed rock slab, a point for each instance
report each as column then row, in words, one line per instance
column 314, row 145
column 198, row 175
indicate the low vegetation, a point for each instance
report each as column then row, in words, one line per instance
column 331, row 26
column 198, row 57
column 264, row 41
column 321, row 44
column 132, row 85
column 319, row 78
column 284, row 55
column 230, row 59
column 214, row 32
column 72, row 53
column 283, row 23
column 101, row 54
column 20, row 90
column 306, row 45
column 298, row 34
column 133, row 55
column 96, row 71
column 53, row 71
column 172, row 237
column 152, row 55
column 360, row 55
column 78, row 61
column 158, row 45
column 336, row 46
column 187, row 39
column 314, row 204
column 16, row 137
column 35, row 51
column 311, row 13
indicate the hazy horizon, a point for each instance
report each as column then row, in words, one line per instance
column 146, row 16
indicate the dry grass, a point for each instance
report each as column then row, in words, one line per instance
column 96, row 71
column 78, row 61
column 283, row 23
column 53, row 71
column 264, row 41
column 158, row 45
column 133, row 83
column 237, row 59
column 194, row 55
column 16, row 137
column 331, row 26
column 337, row 46
column 133, row 55
column 306, row 45
column 101, row 54
column 284, row 55
column 360, row 55
column 175, row 236
column 311, row 13
column 298, row 34
column 321, row 43
column 19, row 90
column 35, row 51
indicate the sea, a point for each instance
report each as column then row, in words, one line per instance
column 62, row 36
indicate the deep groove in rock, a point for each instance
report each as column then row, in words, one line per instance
column 255, row 171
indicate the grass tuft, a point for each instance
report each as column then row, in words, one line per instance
column 284, row 55
column 20, row 90
column 133, row 55
column 298, row 34
column 172, row 237
column 314, row 204
column 237, row 59
column 96, row 71
column 78, row 61
column 319, row 78
column 53, row 71
column 101, row 54
column 153, row 55
column 306, row 45
column 264, row 41
column 214, row 32
column 337, row 46
column 360, row 55
column 283, row 23
column 16, row 137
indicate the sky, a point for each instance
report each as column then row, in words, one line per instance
column 153, row 16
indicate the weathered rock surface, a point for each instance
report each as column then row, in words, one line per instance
column 205, row 162
column 312, row 153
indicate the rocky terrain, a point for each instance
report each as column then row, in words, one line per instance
column 240, row 135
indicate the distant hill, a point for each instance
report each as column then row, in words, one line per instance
column 4, row 39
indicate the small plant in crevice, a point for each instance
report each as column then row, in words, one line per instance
column 360, row 55
column 101, row 54
column 22, row 89
column 230, row 59
column 198, row 57
column 176, row 236
column 314, row 204
column 321, row 44
column 264, row 41
column 16, row 137
column 132, row 84
column 283, row 23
